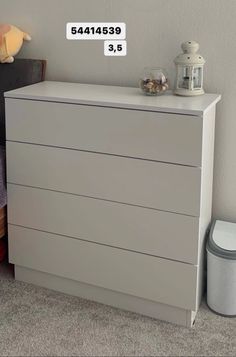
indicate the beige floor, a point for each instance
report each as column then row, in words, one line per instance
column 40, row 322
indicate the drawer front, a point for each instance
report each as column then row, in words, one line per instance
column 135, row 228
column 145, row 183
column 149, row 135
column 148, row 277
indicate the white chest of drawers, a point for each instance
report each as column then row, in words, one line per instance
column 110, row 193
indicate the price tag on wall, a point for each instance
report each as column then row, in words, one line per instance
column 114, row 34
column 115, row 48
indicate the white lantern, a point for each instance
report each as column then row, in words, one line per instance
column 189, row 70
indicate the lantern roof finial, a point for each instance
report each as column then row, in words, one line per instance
column 189, row 56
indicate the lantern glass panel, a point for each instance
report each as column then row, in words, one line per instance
column 189, row 77
column 184, row 77
column 197, row 77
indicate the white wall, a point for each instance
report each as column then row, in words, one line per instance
column 155, row 30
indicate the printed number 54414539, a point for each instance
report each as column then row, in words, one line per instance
column 95, row 31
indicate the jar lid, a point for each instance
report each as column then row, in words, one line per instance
column 222, row 239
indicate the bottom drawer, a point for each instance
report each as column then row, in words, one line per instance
column 141, row 275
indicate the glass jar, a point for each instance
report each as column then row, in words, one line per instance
column 154, row 81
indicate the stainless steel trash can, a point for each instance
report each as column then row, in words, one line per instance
column 221, row 268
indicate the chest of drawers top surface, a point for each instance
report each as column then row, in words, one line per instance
column 114, row 96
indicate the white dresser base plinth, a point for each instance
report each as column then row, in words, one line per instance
column 123, row 301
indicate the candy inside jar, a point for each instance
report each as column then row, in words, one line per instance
column 154, row 81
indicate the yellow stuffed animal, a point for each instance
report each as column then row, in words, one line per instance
column 11, row 40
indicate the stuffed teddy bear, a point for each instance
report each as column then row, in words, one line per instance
column 11, row 40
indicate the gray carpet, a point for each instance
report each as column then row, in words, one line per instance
column 39, row 322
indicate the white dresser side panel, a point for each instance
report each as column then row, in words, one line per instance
column 206, row 194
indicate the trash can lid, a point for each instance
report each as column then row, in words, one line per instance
column 222, row 239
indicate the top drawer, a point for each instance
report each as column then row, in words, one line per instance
column 140, row 134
